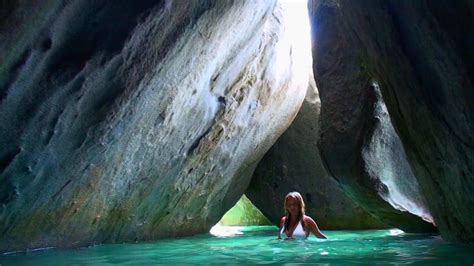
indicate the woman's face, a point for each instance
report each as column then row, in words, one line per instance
column 292, row 206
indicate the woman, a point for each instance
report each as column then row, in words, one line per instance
column 295, row 224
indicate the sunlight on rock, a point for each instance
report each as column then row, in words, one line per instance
column 296, row 22
column 387, row 161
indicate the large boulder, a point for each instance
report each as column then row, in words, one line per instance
column 294, row 164
column 351, row 126
column 419, row 53
column 135, row 120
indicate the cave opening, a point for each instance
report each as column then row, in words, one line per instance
column 243, row 213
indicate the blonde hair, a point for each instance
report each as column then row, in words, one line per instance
column 297, row 196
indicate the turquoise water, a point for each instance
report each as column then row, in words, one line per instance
column 258, row 244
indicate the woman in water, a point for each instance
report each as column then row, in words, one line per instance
column 295, row 224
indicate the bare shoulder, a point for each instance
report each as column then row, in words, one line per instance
column 309, row 221
column 282, row 220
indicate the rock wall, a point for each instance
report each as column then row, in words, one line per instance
column 420, row 55
column 349, row 119
column 386, row 160
column 127, row 121
column 294, row 164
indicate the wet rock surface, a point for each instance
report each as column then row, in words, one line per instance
column 129, row 121
column 420, row 55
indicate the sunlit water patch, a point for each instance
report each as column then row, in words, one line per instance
column 258, row 244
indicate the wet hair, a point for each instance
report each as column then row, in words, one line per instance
column 299, row 198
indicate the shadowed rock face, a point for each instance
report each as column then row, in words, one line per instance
column 421, row 57
column 125, row 121
column 293, row 164
column 350, row 126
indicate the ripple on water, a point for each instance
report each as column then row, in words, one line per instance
column 259, row 245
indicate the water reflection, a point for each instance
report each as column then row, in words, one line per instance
column 259, row 245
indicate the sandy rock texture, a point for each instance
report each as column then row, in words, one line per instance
column 419, row 54
column 135, row 120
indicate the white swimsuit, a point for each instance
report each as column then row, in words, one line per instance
column 298, row 233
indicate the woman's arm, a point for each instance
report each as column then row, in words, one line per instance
column 313, row 227
column 282, row 222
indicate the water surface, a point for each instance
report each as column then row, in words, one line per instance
column 258, row 244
